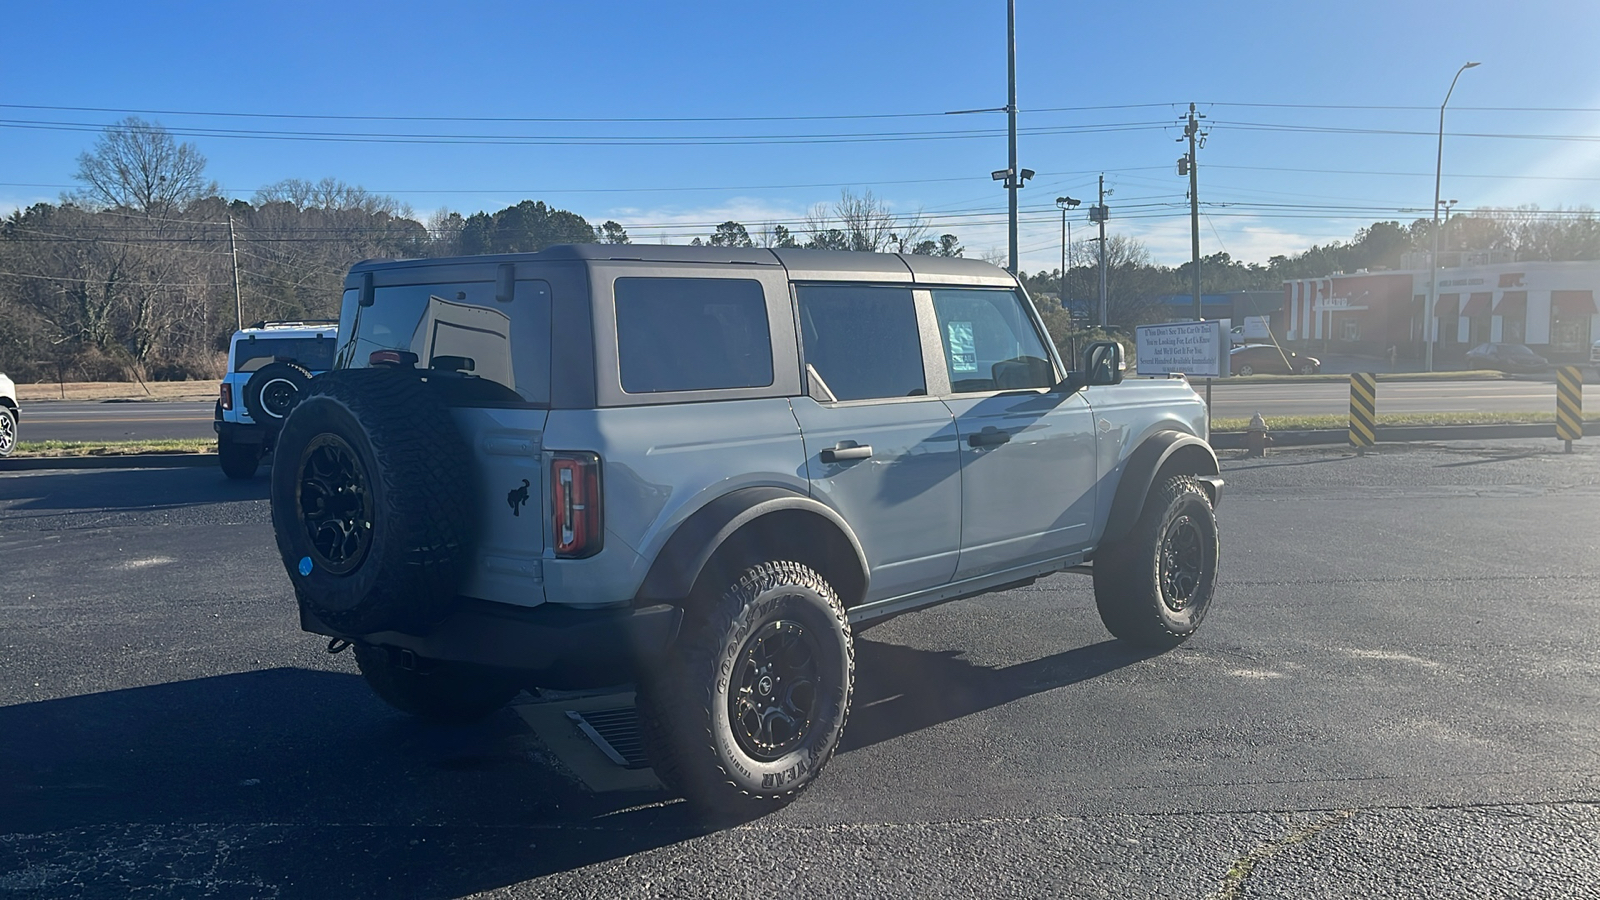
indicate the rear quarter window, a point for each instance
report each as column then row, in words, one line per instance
column 315, row 353
column 692, row 334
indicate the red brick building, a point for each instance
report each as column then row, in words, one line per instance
column 1550, row 306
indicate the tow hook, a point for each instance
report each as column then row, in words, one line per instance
column 337, row 646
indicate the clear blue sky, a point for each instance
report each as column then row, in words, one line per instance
column 704, row 112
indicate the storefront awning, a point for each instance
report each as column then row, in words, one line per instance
column 1447, row 304
column 1477, row 305
column 1512, row 303
column 1573, row 303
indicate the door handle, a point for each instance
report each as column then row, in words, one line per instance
column 989, row 437
column 841, row 452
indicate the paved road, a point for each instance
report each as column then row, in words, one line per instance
column 1397, row 696
column 102, row 421
column 1238, row 397
column 92, row 420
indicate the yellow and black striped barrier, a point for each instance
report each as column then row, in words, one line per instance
column 1363, row 410
column 1569, row 404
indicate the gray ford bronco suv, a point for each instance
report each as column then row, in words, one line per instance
column 699, row 469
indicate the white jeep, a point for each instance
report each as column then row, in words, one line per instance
column 269, row 366
column 8, row 416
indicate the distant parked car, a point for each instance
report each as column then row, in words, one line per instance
column 1507, row 358
column 1270, row 359
column 8, row 416
column 1594, row 354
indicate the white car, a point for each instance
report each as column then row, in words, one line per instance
column 269, row 366
column 8, row 416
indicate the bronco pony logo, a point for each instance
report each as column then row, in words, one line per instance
column 517, row 498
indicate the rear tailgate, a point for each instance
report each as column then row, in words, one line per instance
column 510, row 504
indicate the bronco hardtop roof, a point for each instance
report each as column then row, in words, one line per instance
column 802, row 265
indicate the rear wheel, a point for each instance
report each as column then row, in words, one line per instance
column 753, row 703
column 433, row 691
column 1155, row 584
column 1308, row 369
column 1245, row 369
column 239, row 460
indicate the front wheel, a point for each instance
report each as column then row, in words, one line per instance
column 1308, row 369
column 1245, row 369
column 753, row 703
column 1155, row 584
column 8, row 431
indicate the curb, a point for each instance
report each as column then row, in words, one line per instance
column 129, row 461
column 1400, row 434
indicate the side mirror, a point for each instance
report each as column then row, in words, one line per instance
column 367, row 294
column 1104, row 363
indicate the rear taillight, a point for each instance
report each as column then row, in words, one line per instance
column 227, row 396
column 575, row 508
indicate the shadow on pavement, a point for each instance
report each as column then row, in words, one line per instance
column 297, row 783
column 126, row 490
column 900, row 690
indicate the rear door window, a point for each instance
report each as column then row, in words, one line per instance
column 692, row 334
column 862, row 341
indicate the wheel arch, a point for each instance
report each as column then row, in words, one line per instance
column 1161, row 456
column 749, row 525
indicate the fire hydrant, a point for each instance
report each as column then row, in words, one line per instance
column 1255, row 437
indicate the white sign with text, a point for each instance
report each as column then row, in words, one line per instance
column 1193, row 348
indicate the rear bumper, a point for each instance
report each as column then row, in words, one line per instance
column 565, row 647
column 240, row 432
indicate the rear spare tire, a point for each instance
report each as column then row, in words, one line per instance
column 370, row 486
column 272, row 392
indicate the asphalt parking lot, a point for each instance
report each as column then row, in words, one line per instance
column 1395, row 696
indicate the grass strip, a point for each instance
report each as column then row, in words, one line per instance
column 1342, row 420
column 37, row 449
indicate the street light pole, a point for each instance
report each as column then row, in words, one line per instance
column 1065, row 203
column 1429, row 320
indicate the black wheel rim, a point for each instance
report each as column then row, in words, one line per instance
column 773, row 693
column 335, row 504
column 1182, row 563
column 278, row 396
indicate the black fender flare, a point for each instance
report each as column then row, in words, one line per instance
column 1146, row 463
column 684, row 557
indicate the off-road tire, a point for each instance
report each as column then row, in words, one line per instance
column 433, row 691
column 273, row 392
column 1155, row 584
column 371, row 484
column 239, row 460
column 8, row 431
column 721, row 720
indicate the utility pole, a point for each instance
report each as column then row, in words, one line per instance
column 1065, row 203
column 1099, row 213
column 1190, row 165
column 1012, row 182
column 233, row 250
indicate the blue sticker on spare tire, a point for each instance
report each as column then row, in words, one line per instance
column 305, row 565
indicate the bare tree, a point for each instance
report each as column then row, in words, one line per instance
column 137, row 165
